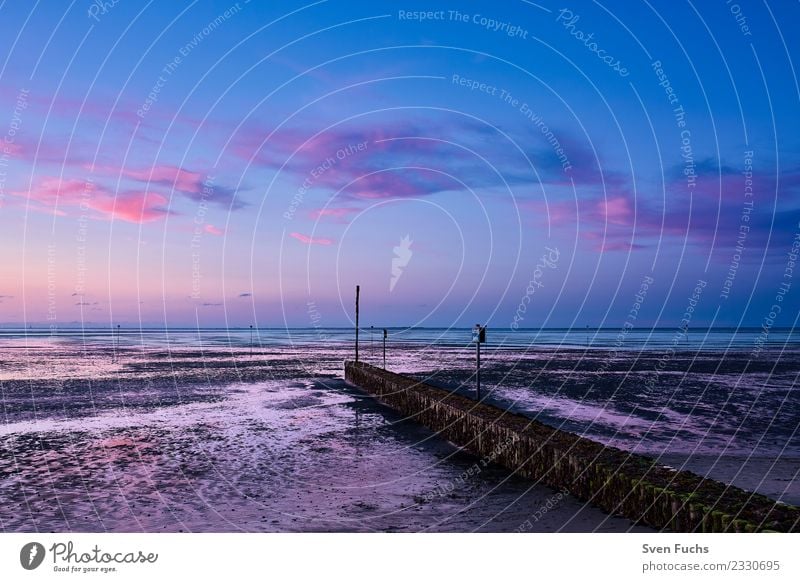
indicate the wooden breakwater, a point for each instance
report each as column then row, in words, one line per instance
column 620, row 483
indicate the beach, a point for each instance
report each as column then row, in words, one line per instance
column 209, row 434
column 214, row 440
column 710, row 412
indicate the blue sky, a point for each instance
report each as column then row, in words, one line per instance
column 227, row 163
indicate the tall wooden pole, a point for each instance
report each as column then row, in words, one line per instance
column 358, row 290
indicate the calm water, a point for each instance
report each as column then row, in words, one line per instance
column 716, row 339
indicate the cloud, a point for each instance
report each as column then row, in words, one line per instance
column 171, row 176
column 190, row 184
column 133, row 206
column 13, row 149
column 616, row 210
column 245, row 294
column 51, row 191
column 395, row 159
column 211, row 229
column 382, row 160
column 211, row 304
column 137, row 207
column 710, row 213
column 310, row 240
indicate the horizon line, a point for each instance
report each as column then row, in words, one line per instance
column 77, row 327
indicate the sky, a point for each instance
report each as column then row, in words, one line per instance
column 518, row 164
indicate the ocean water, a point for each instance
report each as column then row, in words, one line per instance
column 637, row 339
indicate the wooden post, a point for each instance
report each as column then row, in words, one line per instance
column 384, row 349
column 478, row 371
column 358, row 290
column 479, row 336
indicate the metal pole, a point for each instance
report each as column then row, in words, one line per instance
column 384, row 349
column 478, row 375
column 371, row 343
column 251, row 340
column 358, row 291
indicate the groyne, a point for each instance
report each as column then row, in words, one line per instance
column 621, row 483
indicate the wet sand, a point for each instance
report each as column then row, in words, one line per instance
column 210, row 440
column 718, row 415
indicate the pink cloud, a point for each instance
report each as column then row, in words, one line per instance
column 55, row 194
column 132, row 206
column 211, row 229
column 310, row 240
column 606, row 223
column 615, row 210
column 12, row 149
column 51, row 191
